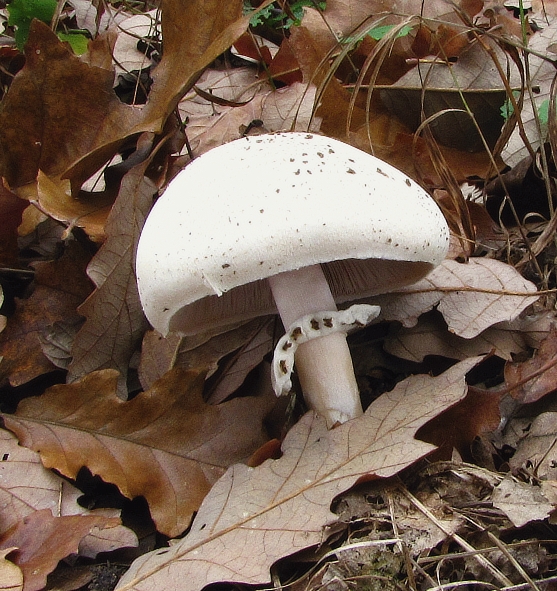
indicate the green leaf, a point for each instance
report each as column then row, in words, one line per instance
column 378, row 33
column 276, row 18
column 543, row 112
column 507, row 108
column 261, row 16
column 78, row 41
column 22, row 12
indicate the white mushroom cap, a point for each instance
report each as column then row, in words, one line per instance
column 267, row 204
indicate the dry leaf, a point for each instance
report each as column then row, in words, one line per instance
column 543, row 368
column 431, row 337
column 456, row 428
column 536, row 450
column 342, row 17
column 191, row 42
column 55, row 199
column 541, row 75
column 73, row 121
column 56, row 111
column 110, row 537
column 59, row 287
column 43, row 540
column 474, row 78
column 521, row 502
column 254, row 516
column 165, row 444
column 290, row 108
column 244, row 347
column 237, row 366
column 471, row 296
column 11, row 577
column 210, row 124
column 115, row 321
column 27, row 486
column 127, row 56
column 11, row 209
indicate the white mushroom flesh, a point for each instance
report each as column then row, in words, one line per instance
column 318, row 341
column 221, row 247
column 313, row 326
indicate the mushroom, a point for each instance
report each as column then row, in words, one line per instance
column 294, row 223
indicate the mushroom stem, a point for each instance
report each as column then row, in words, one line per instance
column 323, row 365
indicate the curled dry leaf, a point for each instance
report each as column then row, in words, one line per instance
column 458, row 426
column 108, row 538
column 244, row 346
column 342, row 18
column 127, row 56
column 473, row 83
column 431, row 337
column 115, row 321
column 540, row 75
column 54, row 197
column 42, row 540
column 166, row 444
column 211, row 125
column 471, row 296
column 254, row 516
column 61, row 115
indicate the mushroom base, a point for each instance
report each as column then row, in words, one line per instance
column 323, row 365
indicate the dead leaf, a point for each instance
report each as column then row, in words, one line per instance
column 210, row 124
column 456, row 428
column 11, row 209
column 126, row 55
column 244, row 346
column 96, row 18
column 342, row 18
column 108, row 538
column 191, row 42
column 56, row 92
column 543, row 369
column 245, row 358
column 283, row 505
column 54, row 198
column 291, row 108
column 441, row 88
column 59, row 287
column 165, row 444
column 43, row 540
column 431, row 337
column 27, row 486
column 11, row 576
column 57, row 110
column 115, row 321
column 521, row 502
column 471, row 296
column 536, row 451
column 541, row 74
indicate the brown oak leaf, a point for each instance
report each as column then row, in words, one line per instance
column 165, row 444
